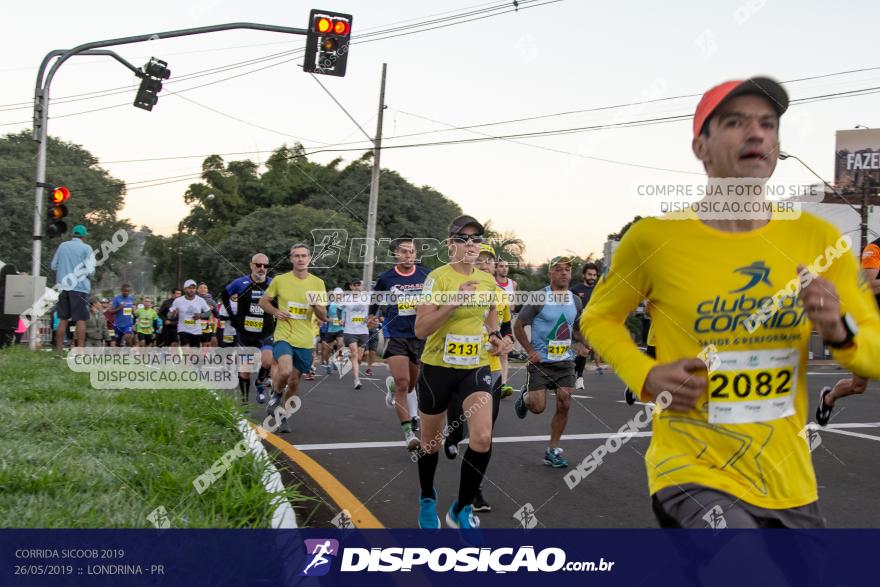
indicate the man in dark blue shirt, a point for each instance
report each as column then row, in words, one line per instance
column 396, row 292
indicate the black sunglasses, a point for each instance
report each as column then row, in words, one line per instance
column 263, row 265
column 463, row 238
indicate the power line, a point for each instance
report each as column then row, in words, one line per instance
column 362, row 145
column 223, row 68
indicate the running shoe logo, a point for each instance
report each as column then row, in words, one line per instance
column 318, row 551
column 757, row 273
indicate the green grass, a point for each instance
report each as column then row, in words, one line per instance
column 76, row 457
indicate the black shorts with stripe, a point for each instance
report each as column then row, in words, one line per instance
column 438, row 387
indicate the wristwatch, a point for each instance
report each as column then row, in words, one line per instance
column 849, row 325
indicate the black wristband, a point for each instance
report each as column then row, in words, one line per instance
column 850, row 334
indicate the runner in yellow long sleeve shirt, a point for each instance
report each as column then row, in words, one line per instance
column 729, row 444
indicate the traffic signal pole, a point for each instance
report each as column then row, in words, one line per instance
column 41, row 115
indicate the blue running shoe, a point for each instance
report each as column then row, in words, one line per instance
column 428, row 518
column 465, row 520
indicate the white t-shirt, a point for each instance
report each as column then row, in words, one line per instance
column 355, row 314
column 186, row 309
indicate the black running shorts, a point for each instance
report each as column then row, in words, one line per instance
column 439, row 386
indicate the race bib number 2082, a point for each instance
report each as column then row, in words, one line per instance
column 753, row 386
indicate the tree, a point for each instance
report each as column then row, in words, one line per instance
column 95, row 202
column 330, row 198
column 272, row 231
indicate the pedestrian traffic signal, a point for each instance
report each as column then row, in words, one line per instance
column 55, row 226
column 327, row 42
column 151, row 83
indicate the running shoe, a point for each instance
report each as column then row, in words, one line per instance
column 823, row 411
column 357, row 384
column 428, row 518
column 412, row 441
column 327, row 369
column 465, row 520
column 579, row 384
column 389, row 393
column 368, row 372
column 599, row 370
column 285, row 425
column 261, row 397
column 480, row 504
column 506, row 390
column 553, row 457
column 519, row 406
column 629, row 396
column 309, row 376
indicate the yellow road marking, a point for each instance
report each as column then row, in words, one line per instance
column 361, row 517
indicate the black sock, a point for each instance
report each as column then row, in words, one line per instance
column 244, row 385
column 579, row 364
column 261, row 374
column 473, row 468
column 427, row 467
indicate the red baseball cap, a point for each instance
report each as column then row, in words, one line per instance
column 760, row 86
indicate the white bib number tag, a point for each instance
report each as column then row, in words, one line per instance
column 753, row 386
column 253, row 324
column 462, row 350
column 297, row 311
column 557, row 350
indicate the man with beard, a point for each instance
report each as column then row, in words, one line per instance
column 583, row 291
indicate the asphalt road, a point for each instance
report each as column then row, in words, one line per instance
column 357, row 439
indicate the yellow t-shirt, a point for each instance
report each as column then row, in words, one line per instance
column 503, row 311
column 746, row 435
column 291, row 292
column 458, row 343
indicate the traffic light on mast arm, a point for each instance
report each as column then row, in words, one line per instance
column 55, row 226
column 151, row 83
column 327, row 42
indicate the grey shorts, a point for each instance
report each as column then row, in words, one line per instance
column 550, row 375
column 360, row 339
column 697, row 506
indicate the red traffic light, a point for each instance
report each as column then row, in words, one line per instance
column 323, row 25
column 340, row 27
column 60, row 195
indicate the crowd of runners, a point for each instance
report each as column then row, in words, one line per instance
column 448, row 333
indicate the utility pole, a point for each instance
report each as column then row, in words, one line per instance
column 41, row 116
column 179, row 255
column 374, row 189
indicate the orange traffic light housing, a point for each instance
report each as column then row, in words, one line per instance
column 327, row 41
column 56, row 211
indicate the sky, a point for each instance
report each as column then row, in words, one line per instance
column 562, row 193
